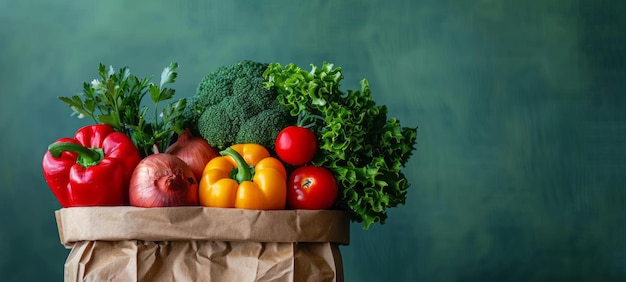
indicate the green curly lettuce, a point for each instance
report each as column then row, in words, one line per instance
column 364, row 149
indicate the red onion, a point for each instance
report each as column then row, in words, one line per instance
column 163, row 180
column 193, row 150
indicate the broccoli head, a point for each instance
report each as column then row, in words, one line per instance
column 231, row 106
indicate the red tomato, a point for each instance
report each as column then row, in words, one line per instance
column 296, row 145
column 312, row 188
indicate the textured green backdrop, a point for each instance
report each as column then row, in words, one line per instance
column 519, row 172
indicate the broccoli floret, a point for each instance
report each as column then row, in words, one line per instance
column 264, row 127
column 218, row 125
column 251, row 88
column 231, row 106
column 192, row 112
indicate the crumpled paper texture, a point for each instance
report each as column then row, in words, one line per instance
column 202, row 244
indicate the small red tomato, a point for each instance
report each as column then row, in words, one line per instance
column 312, row 188
column 296, row 145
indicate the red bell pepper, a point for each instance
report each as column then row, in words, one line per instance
column 91, row 169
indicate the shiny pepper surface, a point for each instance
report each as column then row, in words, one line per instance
column 91, row 169
column 245, row 177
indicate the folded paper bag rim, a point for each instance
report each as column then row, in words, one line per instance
column 121, row 223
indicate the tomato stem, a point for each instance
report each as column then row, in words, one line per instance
column 306, row 184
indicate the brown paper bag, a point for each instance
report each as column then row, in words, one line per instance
column 202, row 244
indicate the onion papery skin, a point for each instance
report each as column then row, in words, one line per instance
column 195, row 151
column 163, row 180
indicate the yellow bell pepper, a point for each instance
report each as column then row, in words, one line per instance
column 246, row 177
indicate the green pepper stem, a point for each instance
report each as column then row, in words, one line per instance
column 243, row 169
column 86, row 157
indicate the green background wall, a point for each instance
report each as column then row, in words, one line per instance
column 519, row 172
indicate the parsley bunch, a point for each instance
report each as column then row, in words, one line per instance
column 116, row 99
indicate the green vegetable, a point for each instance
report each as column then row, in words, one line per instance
column 116, row 99
column 231, row 106
column 364, row 149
